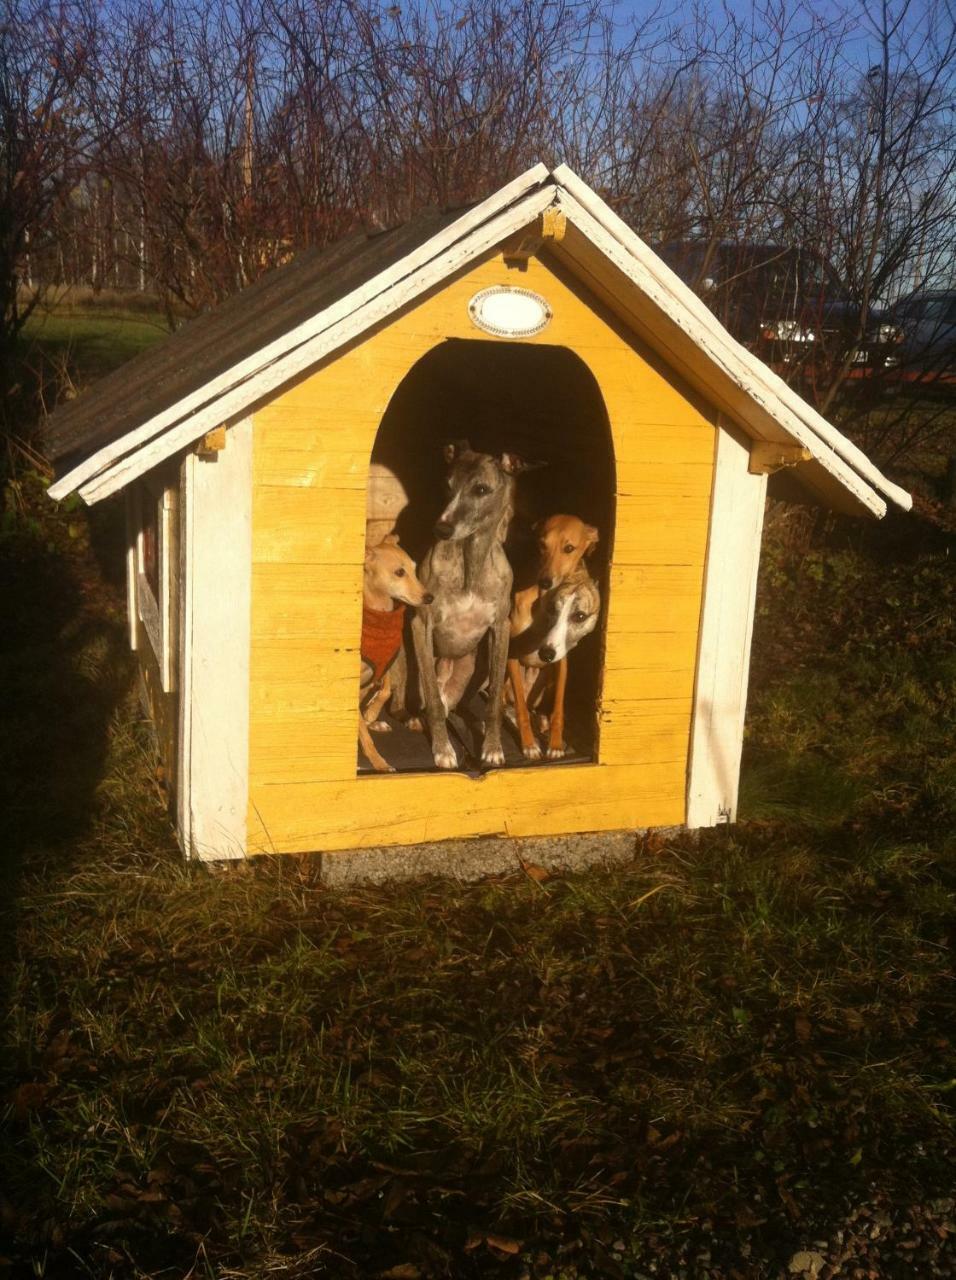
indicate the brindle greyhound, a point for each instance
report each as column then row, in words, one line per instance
column 468, row 574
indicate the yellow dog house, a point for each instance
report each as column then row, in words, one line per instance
column 243, row 444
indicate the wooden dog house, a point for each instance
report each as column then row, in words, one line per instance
column 243, row 444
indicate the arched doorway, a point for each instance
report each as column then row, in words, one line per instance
column 544, row 404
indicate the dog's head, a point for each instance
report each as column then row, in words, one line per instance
column 563, row 616
column 563, row 542
column 391, row 571
column 480, row 491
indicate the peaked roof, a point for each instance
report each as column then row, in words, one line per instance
column 219, row 365
column 211, row 343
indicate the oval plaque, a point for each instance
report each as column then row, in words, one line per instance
column 507, row 312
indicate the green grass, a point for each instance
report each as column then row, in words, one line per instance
column 721, row 1049
column 90, row 343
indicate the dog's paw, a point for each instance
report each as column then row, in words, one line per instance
column 531, row 753
column 380, row 726
column 446, row 759
column 492, row 755
column 415, row 724
column 557, row 753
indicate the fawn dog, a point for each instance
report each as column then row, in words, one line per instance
column 547, row 621
column 469, row 576
column 389, row 583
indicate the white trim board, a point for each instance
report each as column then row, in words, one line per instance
column 672, row 285
column 158, row 614
column 726, row 628
column 717, row 346
column 305, row 332
column 241, row 397
column 216, row 577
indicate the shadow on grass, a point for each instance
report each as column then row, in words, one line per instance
column 64, row 668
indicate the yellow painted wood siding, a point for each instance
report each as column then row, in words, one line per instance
column 311, row 451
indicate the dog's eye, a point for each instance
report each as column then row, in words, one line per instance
column 399, row 573
column 568, row 549
column 482, row 490
column 578, row 616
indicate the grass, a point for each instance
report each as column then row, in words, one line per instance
column 88, row 343
column 696, row 1064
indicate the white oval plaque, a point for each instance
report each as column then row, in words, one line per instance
column 507, row 312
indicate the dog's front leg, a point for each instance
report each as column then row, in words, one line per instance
column 491, row 752
column 398, row 678
column 375, row 759
column 556, row 744
column 422, row 638
column 529, row 748
column 376, row 703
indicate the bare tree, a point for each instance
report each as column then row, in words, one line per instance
column 47, row 61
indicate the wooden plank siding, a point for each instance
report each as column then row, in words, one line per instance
column 311, row 450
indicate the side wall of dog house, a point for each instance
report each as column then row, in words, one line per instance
column 311, row 451
column 158, row 694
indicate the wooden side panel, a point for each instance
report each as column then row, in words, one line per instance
column 163, row 709
column 311, row 451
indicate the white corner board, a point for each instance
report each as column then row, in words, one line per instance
column 215, row 621
column 726, row 629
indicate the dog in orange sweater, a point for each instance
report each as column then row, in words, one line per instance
column 389, row 583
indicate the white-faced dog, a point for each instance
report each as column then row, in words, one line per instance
column 558, row 620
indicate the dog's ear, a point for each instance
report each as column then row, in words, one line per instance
column 592, row 538
column 370, row 554
column 513, row 465
column 455, row 449
column 390, row 540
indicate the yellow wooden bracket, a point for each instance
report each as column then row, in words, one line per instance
column 213, row 442
column 554, row 223
column 549, row 225
column 766, row 457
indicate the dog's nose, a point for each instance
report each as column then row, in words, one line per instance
column 545, row 584
column 546, row 654
column 427, row 598
column 443, row 529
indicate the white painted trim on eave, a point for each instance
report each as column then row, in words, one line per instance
column 303, row 333
column 308, row 354
column 214, row 649
column 752, row 367
column 726, row 629
column 717, row 346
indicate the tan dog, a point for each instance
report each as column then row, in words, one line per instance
column 563, row 542
column 389, row 583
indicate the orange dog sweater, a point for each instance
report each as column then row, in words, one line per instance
column 381, row 637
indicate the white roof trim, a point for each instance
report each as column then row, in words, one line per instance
column 714, row 341
column 472, row 218
column 755, row 374
column 361, row 316
column 514, row 206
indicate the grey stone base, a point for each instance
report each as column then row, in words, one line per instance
column 481, row 856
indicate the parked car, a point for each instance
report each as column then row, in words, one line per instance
column 787, row 305
column 924, row 324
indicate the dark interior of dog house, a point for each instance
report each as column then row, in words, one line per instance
column 543, row 404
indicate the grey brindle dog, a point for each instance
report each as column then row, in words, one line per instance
column 468, row 574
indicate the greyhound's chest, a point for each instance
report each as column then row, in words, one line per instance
column 460, row 621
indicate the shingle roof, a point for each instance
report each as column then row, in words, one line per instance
column 214, row 342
